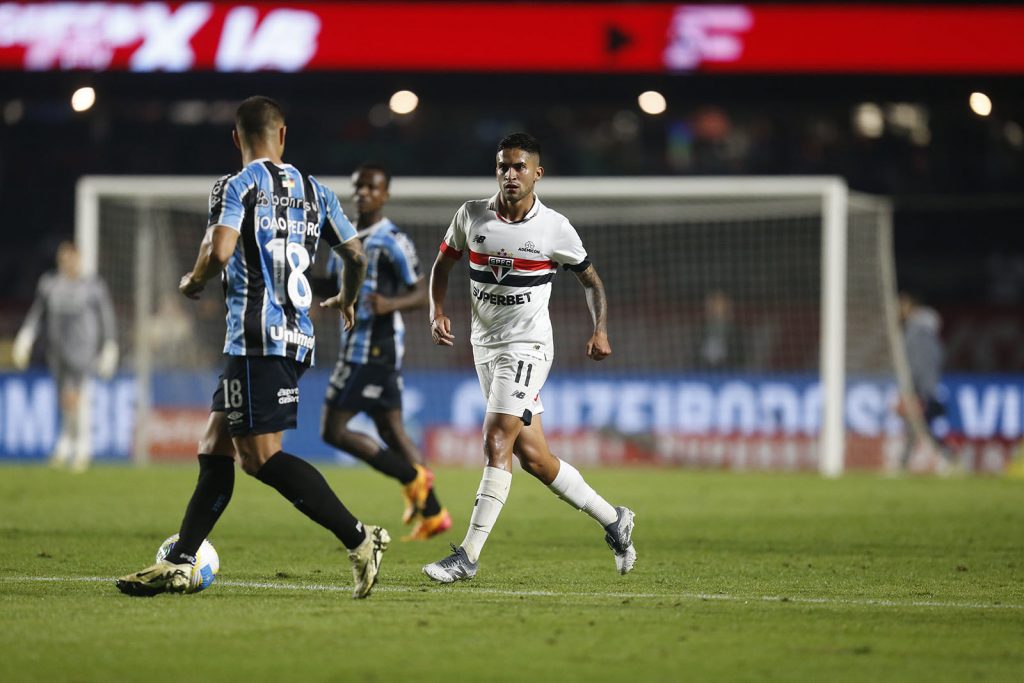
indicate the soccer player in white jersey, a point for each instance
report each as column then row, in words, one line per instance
column 515, row 246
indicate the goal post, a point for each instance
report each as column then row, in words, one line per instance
column 773, row 249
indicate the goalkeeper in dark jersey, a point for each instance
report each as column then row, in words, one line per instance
column 73, row 314
column 265, row 223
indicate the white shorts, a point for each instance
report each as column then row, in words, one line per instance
column 512, row 379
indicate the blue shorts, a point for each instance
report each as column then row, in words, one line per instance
column 364, row 388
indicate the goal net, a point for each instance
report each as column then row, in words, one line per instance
column 752, row 320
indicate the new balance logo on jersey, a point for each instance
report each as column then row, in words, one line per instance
column 280, row 333
column 479, row 239
column 500, row 266
column 519, row 394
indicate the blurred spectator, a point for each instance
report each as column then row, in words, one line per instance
column 925, row 354
column 720, row 346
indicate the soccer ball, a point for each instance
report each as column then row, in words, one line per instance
column 206, row 568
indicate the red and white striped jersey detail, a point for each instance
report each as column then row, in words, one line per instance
column 450, row 251
column 511, row 266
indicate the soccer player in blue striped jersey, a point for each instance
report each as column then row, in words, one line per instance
column 265, row 223
column 367, row 376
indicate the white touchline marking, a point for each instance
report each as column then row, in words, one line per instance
column 430, row 588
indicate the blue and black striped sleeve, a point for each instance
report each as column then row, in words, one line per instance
column 337, row 228
column 403, row 255
column 226, row 205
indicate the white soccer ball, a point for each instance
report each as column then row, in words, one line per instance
column 206, row 568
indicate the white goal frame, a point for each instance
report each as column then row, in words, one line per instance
column 831, row 191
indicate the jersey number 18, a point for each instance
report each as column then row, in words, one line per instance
column 290, row 262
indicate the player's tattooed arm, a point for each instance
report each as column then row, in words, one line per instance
column 353, row 273
column 598, row 347
column 214, row 251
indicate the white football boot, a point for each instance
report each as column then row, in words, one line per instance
column 455, row 567
column 619, row 538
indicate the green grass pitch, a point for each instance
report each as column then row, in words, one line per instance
column 740, row 577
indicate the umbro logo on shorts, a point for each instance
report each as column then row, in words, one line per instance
column 235, row 416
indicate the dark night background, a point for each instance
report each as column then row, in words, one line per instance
column 957, row 194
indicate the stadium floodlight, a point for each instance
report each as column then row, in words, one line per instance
column 652, row 102
column 868, row 120
column 808, row 266
column 83, row 99
column 981, row 104
column 404, row 102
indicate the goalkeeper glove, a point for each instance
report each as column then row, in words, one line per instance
column 106, row 365
column 21, row 351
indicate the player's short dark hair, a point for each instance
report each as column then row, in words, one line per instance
column 523, row 141
column 256, row 115
column 374, row 167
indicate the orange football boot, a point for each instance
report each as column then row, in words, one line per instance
column 416, row 492
column 429, row 527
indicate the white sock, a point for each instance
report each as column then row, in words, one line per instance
column 83, row 427
column 68, row 438
column 62, row 451
column 490, row 498
column 83, row 450
column 570, row 486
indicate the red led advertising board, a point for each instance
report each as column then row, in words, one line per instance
column 511, row 37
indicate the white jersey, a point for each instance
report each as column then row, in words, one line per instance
column 511, row 267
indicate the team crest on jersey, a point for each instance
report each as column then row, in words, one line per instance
column 501, row 264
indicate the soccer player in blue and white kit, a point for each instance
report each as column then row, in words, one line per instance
column 367, row 378
column 265, row 224
column 515, row 245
